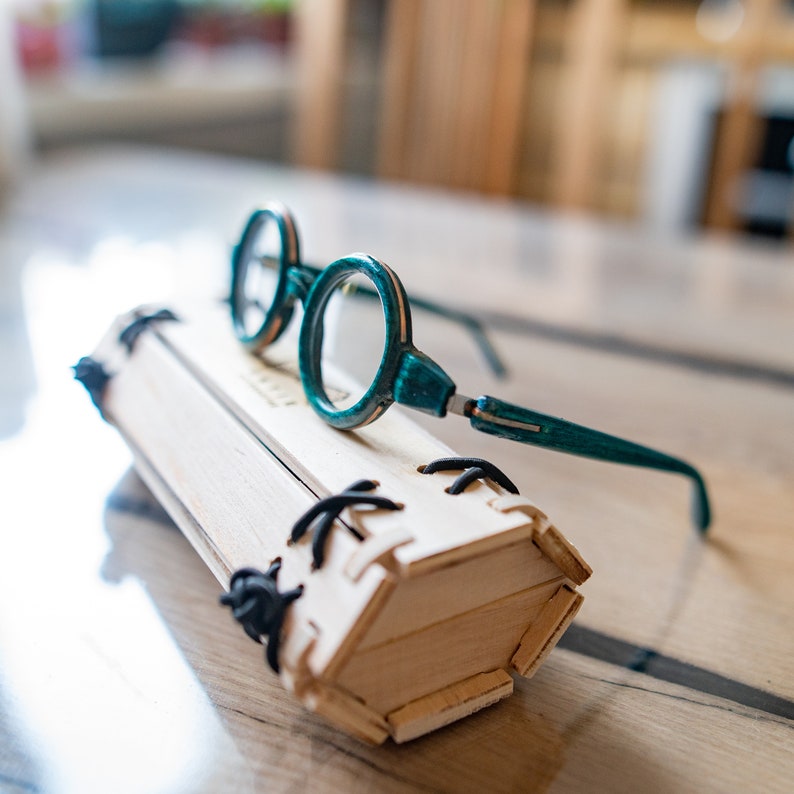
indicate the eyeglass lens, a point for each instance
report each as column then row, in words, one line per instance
column 354, row 339
column 261, row 261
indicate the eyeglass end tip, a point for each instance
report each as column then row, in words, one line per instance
column 701, row 509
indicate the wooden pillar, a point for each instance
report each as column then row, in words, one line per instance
column 455, row 73
column 509, row 96
column 321, row 28
column 399, row 54
column 591, row 53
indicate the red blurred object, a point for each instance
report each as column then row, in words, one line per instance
column 215, row 28
column 39, row 47
column 275, row 28
column 206, row 28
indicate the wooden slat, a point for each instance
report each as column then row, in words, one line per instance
column 427, row 600
column 140, row 400
column 478, row 641
column 441, row 708
column 340, row 709
column 541, row 637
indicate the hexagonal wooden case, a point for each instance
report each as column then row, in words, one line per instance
column 416, row 616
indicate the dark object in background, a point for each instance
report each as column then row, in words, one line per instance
column 132, row 28
column 769, row 195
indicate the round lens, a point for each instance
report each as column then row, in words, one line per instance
column 353, row 341
column 260, row 262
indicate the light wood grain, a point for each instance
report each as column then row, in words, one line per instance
column 426, row 600
column 476, row 641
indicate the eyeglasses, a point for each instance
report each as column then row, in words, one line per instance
column 268, row 277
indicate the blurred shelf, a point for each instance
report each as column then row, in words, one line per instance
column 181, row 88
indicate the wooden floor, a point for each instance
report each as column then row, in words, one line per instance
column 119, row 671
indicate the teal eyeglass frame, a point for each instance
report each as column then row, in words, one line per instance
column 405, row 374
column 295, row 279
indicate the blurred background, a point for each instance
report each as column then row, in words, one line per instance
column 676, row 113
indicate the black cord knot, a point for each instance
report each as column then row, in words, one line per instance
column 473, row 469
column 93, row 376
column 327, row 510
column 259, row 607
column 130, row 334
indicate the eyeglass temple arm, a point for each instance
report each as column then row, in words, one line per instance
column 468, row 321
column 496, row 417
column 472, row 325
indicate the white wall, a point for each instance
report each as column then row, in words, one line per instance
column 680, row 139
column 15, row 143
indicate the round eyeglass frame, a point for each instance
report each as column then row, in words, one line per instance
column 397, row 319
column 279, row 313
column 315, row 289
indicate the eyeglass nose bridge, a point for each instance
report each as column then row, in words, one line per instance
column 295, row 285
column 299, row 282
